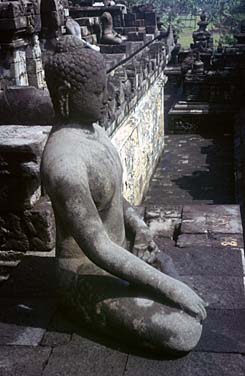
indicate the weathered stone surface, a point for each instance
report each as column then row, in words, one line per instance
column 23, row 321
column 164, row 227
column 139, row 141
column 219, row 292
column 82, row 355
column 221, row 219
column 154, row 211
column 223, row 332
column 28, row 105
column 203, row 260
column 190, row 240
column 233, row 241
column 23, row 361
column 191, row 170
column 20, row 154
column 54, row 339
column 201, row 364
column 28, row 230
column 163, row 221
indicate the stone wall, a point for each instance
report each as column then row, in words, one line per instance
column 140, row 140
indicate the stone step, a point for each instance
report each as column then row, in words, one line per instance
column 214, row 226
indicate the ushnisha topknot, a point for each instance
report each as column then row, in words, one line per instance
column 67, row 43
column 83, row 69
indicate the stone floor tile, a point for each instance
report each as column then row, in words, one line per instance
column 163, row 211
column 193, row 364
column 194, row 226
column 54, row 339
column 59, row 330
column 206, row 261
column 233, row 241
column 23, row 360
column 191, row 170
column 224, row 225
column 24, row 321
column 164, row 227
column 223, row 331
column 86, row 358
column 192, row 211
column 219, row 292
column 191, row 240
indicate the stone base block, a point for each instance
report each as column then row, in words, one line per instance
column 200, row 117
column 29, row 230
column 20, row 155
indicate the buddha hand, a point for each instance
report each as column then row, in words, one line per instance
column 183, row 295
column 144, row 246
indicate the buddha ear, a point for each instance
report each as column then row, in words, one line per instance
column 63, row 92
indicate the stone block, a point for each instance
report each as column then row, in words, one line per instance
column 23, row 321
column 29, row 230
column 150, row 29
column 195, row 363
column 223, row 332
column 23, row 361
column 129, row 19
column 233, row 241
column 29, row 105
column 140, row 22
column 20, row 155
column 114, row 49
column 154, row 211
column 215, row 219
column 150, row 19
column 219, row 292
column 136, row 36
column 11, row 9
column 206, row 261
column 13, row 24
column 189, row 240
column 80, row 354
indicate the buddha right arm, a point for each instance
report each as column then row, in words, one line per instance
column 79, row 213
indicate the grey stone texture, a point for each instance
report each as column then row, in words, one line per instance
column 26, row 218
column 28, row 230
column 82, row 356
column 20, row 155
column 23, row 360
column 220, row 292
column 191, row 171
column 233, row 241
column 201, row 364
column 224, row 332
column 24, row 320
column 217, row 219
column 205, row 261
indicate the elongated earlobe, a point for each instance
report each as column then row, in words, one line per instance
column 64, row 99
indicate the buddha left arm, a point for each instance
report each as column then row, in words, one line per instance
column 144, row 245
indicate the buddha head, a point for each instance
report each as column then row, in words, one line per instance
column 76, row 79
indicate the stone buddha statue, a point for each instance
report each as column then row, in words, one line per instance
column 104, row 250
column 109, row 36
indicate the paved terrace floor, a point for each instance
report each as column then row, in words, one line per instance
column 206, row 244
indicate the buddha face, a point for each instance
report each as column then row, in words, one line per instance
column 88, row 104
column 76, row 79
